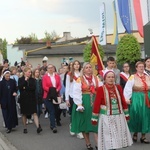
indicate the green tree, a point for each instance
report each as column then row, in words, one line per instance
column 33, row 37
column 128, row 50
column 3, row 48
column 24, row 40
column 1, row 41
column 50, row 36
column 87, row 52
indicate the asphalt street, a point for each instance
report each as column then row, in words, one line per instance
column 47, row 140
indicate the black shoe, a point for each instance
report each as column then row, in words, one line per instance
column 51, row 127
column 39, row 130
column 134, row 137
column 144, row 140
column 54, row 130
column 40, row 126
column 58, row 124
column 64, row 114
column 89, row 147
column 96, row 147
column 25, row 131
column 8, row 131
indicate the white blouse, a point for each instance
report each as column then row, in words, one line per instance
column 69, row 86
column 77, row 89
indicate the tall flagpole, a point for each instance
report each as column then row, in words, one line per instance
column 130, row 12
column 148, row 10
column 105, row 29
column 105, row 22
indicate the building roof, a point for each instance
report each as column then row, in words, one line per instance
column 60, row 50
column 30, row 46
column 70, row 47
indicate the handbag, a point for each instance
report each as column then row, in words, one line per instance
column 58, row 100
column 63, row 105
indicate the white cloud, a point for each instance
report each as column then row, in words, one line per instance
column 23, row 17
column 45, row 5
column 73, row 20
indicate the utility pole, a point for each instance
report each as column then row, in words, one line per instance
column 148, row 4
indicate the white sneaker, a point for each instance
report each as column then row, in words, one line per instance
column 46, row 115
column 80, row 136
column 3, row 124
column 30, row 121
column 19, row 116
column 71, row 133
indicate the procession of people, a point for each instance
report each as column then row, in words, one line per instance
column 112, row 104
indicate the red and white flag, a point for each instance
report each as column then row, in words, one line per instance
column 95, row 60
column 138, row 16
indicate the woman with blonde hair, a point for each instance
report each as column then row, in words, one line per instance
column 27, row 89
column 84, row 90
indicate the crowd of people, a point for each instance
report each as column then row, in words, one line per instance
column 112, row 105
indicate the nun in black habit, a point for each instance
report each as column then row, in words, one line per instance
column 8, row 91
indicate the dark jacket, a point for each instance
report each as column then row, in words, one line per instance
column 7, row 88
column 52, row 94
column 39, row 91
column 8, row 103
column 27, row 95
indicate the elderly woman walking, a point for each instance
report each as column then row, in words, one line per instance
column 111, row 111
column 137, row 95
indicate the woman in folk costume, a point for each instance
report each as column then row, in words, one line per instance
column 71, row 77
column 84, row 90
column 137, row 95
column 111, row 110
column 124, row 75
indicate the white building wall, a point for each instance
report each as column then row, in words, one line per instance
column 55, row 60
column 14, row 54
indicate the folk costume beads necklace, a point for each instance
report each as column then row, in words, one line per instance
column 143, row 79
column 112, row 93
column 113, row 99
column 91, row 87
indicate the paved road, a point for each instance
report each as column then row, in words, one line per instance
column 48, row 140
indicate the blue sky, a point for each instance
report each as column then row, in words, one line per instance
column 23, row 17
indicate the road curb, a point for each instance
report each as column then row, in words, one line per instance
column 5, row 144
